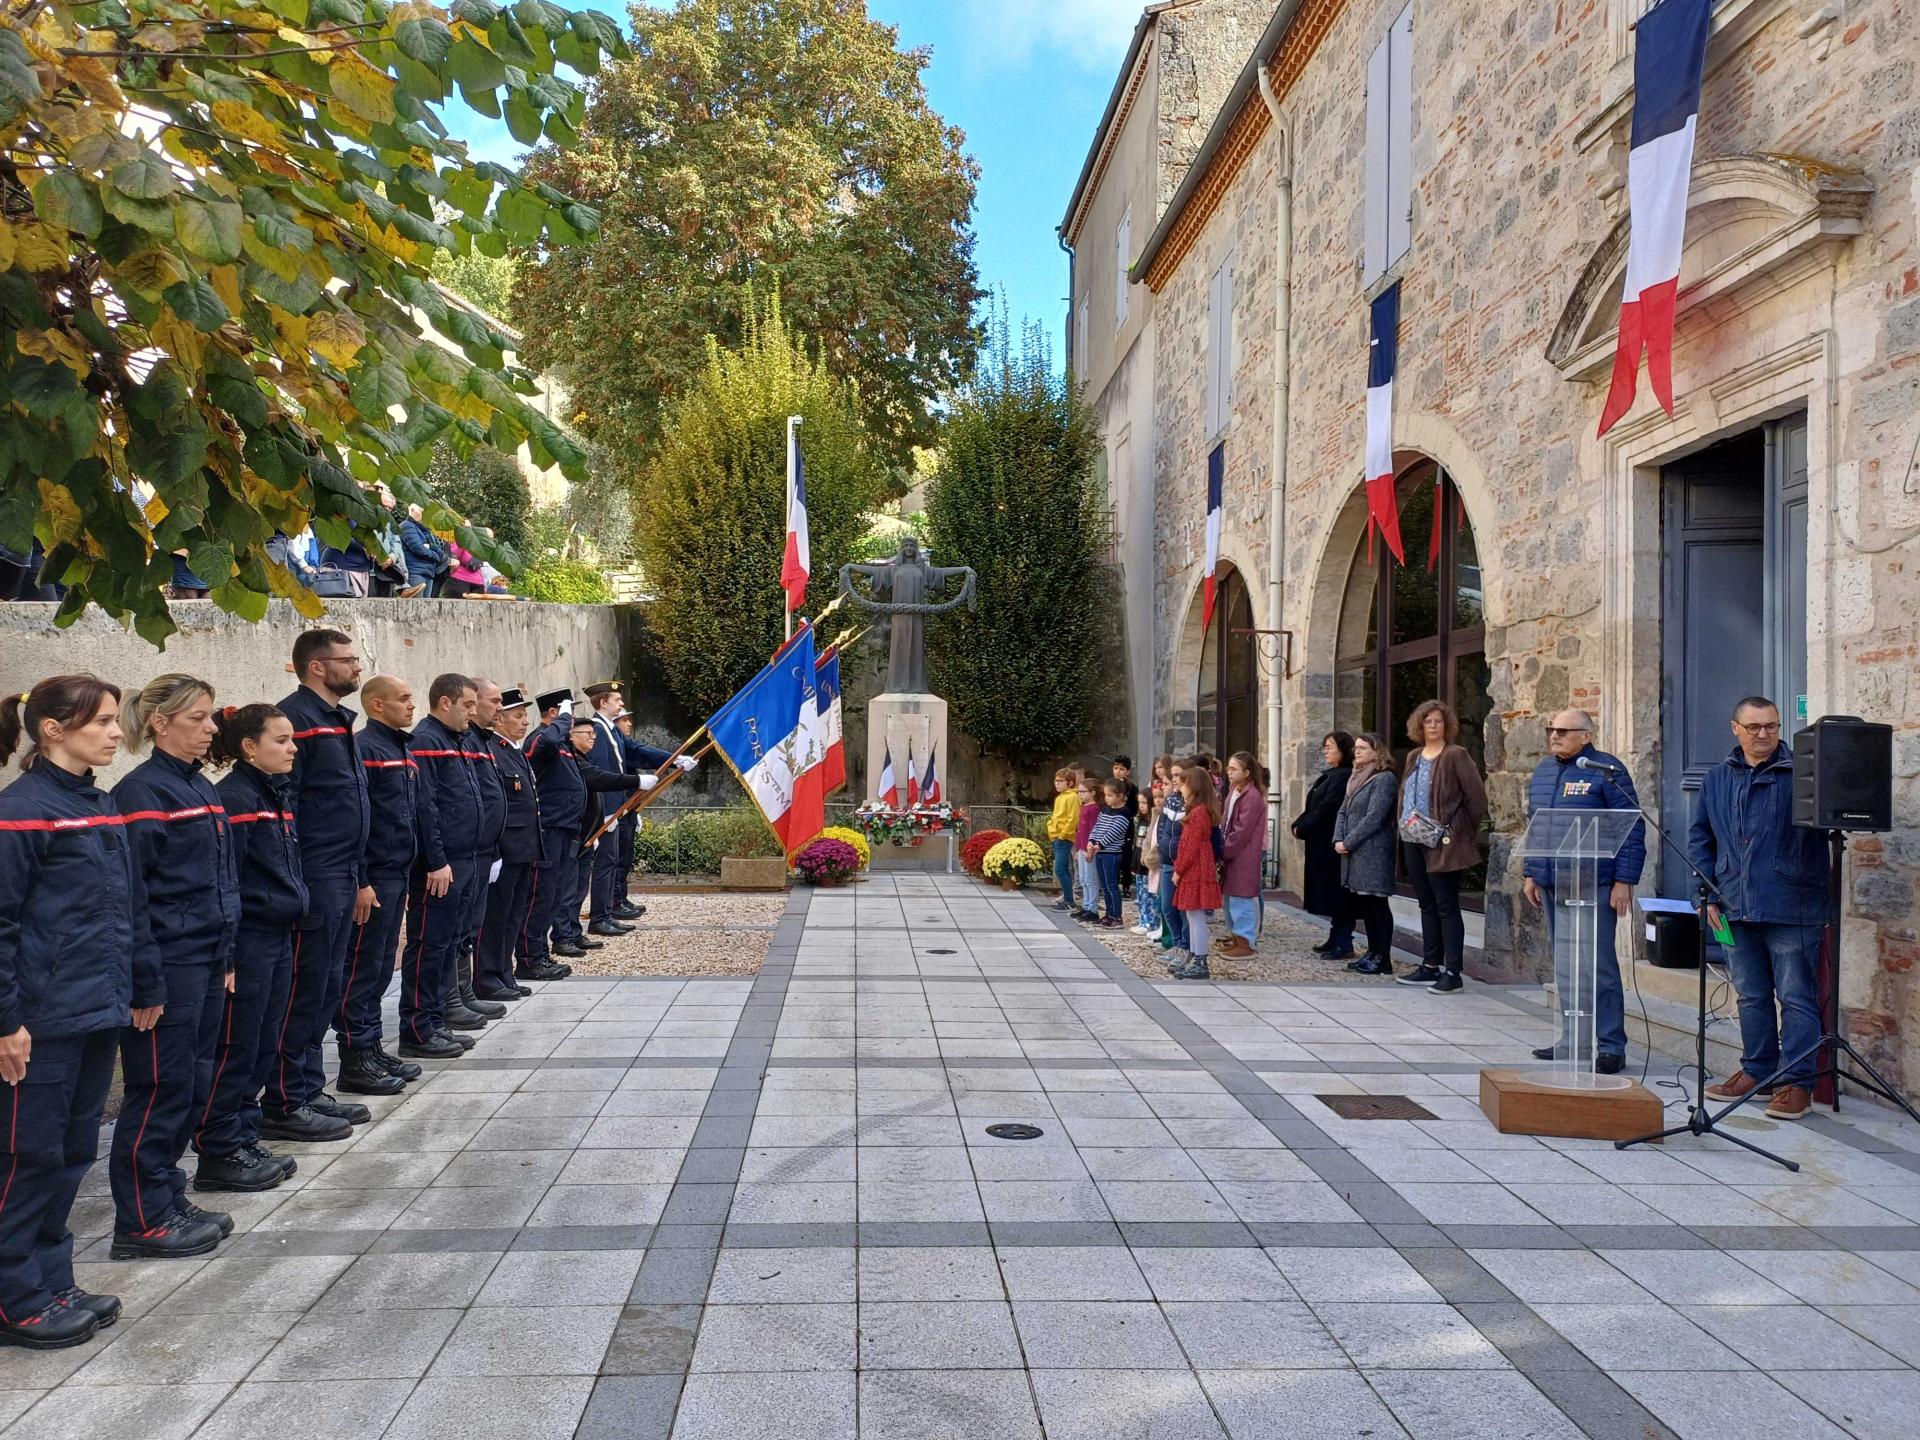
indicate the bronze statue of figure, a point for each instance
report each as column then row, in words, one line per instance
column 901, row 585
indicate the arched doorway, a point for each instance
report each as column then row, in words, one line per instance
column 1228, row 718
column 1417, row 631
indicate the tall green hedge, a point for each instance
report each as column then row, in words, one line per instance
column 712, row 505
column 1013, row 495
column 487, row 487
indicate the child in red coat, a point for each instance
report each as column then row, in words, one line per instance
column 1196, row 868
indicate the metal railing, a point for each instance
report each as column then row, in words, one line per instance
column 691, row 840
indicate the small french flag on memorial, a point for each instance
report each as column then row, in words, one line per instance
column 796, row 562
column 1216, row 466
column 889, row 788
column 1383, row 359
column 930, row 782
column 1669, row 57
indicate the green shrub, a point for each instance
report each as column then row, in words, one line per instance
column 572, row 582
column 696, row 842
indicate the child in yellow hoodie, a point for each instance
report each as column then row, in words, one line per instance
column 1062, row 826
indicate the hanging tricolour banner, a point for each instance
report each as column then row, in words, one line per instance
column 771, row 734
column 827, row 684
column 1216, row 467
column 1669, row 58
column 1383, row 359
column 797, row 561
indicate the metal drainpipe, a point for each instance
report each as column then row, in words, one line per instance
column 1277, row 501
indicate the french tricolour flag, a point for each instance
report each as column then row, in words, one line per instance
column 913, row 779
column 1216, row 464
column 930, row 781
column 827, row 683
column 1669, row 56
column 772, row 735
column 795, row 564
column 1383, row 359
column 889, row 788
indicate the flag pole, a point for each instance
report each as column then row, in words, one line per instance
column 793, row 424
column 640, row 799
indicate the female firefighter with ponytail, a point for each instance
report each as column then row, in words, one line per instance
column 257, row 741
column 71, row 916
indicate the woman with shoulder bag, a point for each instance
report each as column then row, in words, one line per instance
column 1443, row 804
column 1321, row 892
column 1363, row 841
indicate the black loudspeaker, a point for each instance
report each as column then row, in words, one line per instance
column 1843, row 775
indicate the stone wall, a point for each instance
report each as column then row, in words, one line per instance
column 1519, row 116
column 511, row 643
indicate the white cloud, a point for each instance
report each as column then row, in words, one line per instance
column 1091, row 33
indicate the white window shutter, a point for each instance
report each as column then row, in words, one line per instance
column 1213, row 354
column 1122, row 258
column 1379, row 93
column 1229, row 342
column 1399, row 188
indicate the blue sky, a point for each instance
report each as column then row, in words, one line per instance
column 1027, row 81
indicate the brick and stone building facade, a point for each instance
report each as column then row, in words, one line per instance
column 1765, row 537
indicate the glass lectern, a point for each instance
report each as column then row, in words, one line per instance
column 1574, row 843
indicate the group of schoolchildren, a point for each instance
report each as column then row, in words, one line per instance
column 206, row 935
column 1192, row 842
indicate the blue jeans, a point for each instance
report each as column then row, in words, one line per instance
column 1149, row 904
column 1777, row 962
column 1088, row 881
column 1108, row 864
column 1063, row 870
column 1243, row 916
column 1609, row 999
column 1172, row 918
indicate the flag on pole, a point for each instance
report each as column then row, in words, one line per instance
column 1383, row 358
column 913, row 779
column 796, row 562
column 889, row 789
column 930, row 781
column 770, row 733
column 1216, row 464
column 827, row 683
column 1669, row 57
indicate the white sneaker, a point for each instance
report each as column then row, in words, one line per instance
column 1136, row 929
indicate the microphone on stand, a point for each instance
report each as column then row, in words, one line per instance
column 1587, row 762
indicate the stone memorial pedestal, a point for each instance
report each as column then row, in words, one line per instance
column 903, row 726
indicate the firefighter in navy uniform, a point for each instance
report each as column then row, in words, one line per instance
column 330, row 799
column 567, row 781
column 444, row 874
column 257, row 741
column 465, row 1010
column 393, row 842
column 508, row 898
column 176, row 826
column 71, row 906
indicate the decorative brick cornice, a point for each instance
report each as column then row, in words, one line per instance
column 1289, row 62
column 1109, row 140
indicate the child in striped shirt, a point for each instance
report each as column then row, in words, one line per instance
column 1107, row 844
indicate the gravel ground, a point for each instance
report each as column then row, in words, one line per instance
column 695, row 934
column 1285, row 952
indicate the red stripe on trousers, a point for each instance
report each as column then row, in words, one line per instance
column 226, row 1053
column 526, row 921
column 13, row 1146
column 139, row 1207
column 280, row 1045
column 420, row 957
column 353, row 969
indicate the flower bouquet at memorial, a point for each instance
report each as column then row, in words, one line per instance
column 852, row 837
column 827, row 862
column 973, row 854
column 1014, row 862
column 885, row 826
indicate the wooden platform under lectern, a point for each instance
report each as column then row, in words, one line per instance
column 1518, row 1105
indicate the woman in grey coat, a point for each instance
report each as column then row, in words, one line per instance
column 1363, row 839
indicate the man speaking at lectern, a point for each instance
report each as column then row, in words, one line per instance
column 1576, row 776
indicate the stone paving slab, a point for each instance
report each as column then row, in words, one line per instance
column 665, row 1209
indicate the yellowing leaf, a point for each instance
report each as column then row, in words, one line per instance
column 280, row 582
column 150, row 271
column 63, row 516
column 225, row 280
column 362, row 89
column 155, row 510
column 39, row 247
column 247, row 123
column 94, row 78
column 338, row 335
column 55, row 346
column 180, row 340
column 6, row 246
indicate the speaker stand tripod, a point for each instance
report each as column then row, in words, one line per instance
column 1832, row 1042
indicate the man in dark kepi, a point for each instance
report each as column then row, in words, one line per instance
column 610, row 752
column 570, row 787
column 508, row 898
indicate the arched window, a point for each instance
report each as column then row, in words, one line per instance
column 1229, row 716
column 1417, row 631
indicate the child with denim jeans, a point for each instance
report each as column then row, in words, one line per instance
column 1084, row 873
column 1107, row 843
column 1062, row 826
column 1147, row 882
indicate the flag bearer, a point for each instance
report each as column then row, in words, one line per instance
column 70, row 906
column 508, row 897
column 444, row 873
column 176, row 826
column 330, row 799
column 638, row 758
column 257, row 741
column 606, row 752
column 393, row 841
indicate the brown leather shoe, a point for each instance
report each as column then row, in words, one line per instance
column 1735, row 1085
column 1235, row 948
column 1790, row 1102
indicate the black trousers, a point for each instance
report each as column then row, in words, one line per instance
column 248, row 1043
column 509, row 908
column 1443, row 933
column 605, row 884
column 624, row 835
column 1375, row 913
column 370, row 956
column 435, row 928
column 319, row 973
column 49, row 1137
column 566, row 918
column 163, row 1069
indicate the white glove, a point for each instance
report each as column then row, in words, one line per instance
column 494, row 873
column 647, row 782
column 686, row 763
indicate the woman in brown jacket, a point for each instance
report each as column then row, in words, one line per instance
column 1443, row 804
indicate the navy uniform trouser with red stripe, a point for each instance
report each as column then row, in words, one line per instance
column 509, row 907
column 551, row 883
column 249, row 1046
column 466, row 967
column 435, row 927
column 162, row 1070
column 49, row 1136
column 370, row 963
column 313, row 997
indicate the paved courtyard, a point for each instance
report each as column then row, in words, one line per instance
column 769, row 1207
